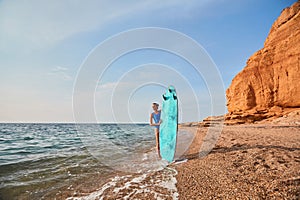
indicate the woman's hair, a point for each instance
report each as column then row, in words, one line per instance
column 155, row 104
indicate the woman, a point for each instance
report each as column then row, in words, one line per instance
column 156, row 117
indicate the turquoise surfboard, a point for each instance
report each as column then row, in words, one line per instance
column 169, row 123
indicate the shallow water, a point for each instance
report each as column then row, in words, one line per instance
column 46, row 161
column 39, row 159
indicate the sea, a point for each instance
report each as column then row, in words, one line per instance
column 84, row 161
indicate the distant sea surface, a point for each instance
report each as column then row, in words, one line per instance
column 68, row 160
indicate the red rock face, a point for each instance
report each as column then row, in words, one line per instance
column 272, row 75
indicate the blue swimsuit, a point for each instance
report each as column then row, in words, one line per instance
column 156, row 118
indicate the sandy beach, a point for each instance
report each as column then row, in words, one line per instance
column 255, row 161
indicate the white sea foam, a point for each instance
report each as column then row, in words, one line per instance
column 150, row 177
column 130, row 186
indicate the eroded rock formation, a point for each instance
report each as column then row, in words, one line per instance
column 270, row 82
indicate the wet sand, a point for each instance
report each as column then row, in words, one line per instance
column 257, row 161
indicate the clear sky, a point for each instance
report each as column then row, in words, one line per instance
column 43, row 44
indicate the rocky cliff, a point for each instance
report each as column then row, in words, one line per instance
column 270, row 82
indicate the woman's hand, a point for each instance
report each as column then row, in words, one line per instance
column 155, row 124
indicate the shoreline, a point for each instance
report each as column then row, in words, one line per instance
column 156, row 183
column 256, row 161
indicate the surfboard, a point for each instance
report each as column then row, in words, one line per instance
column 169, row 124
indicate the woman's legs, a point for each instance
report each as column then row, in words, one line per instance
column 157, row 141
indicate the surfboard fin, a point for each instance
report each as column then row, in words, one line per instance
column 165, row 98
